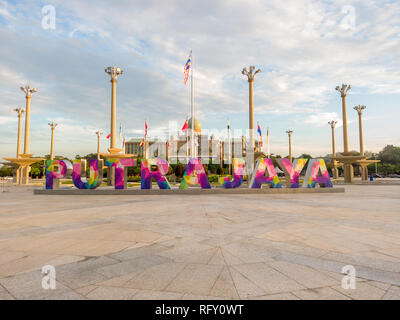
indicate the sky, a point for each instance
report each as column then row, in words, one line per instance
column 304, row 48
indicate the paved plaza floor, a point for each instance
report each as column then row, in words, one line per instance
column 242, row 246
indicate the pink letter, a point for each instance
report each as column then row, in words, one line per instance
column 189, row 177
column 292, row 172
column 55, row 169
column 95, row 174
column 264, row 165
column 238, row 168
column 158, row 175
column 120, row 165
column 312, row 174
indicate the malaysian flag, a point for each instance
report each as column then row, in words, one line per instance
column 186, row 68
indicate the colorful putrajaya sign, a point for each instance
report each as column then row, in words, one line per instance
column 264, row 173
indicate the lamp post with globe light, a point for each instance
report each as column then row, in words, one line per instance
column 52, row 125
column 348, row 168
column 114, row 72
column 98, row 133
column 250, row 77
column 19, row 111
column 28, row 96
column 290, row 132
column 335, row 171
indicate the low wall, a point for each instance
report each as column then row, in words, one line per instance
column 189, row 191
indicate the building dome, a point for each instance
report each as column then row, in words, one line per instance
column 197, row 125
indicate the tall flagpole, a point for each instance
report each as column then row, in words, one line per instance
column 192, row 154
column 229, row 149
column 187, row 144
column 145, row 139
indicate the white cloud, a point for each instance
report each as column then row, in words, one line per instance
column 6, row 120
column 321, row 119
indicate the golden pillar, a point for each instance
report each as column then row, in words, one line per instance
column 343, row 93
column 364, row 169
column 19, row 111
column 250, row 77
column 359, row 110
column 290, row 144
column 348, row 168
column 114, row 73
column 335, row 171
column 28, row 95
column 52, row 125
column 250, row 157
column 98, row 133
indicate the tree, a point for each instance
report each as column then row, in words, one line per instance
column 390, row 154
column 179, row 170
column 213, row 168
column 306, row 156
column 87, row 157
column 6, row 171
column 36, row 172
column 387, row 168
column 220, row 170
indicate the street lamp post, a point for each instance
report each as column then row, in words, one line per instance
column 28, row 95
column 98, row 133
column 343, row 93
column 229, row 149
column 250, row 155
column 250, row 77
column 290, row 144
column 360, row 109
column 52, row 125
column 335, row 171
column 19, row 111
column 348, row 168
column 114, row 72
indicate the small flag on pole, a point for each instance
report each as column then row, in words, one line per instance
column 145, row 128
column 185, row 125
column 120, row 132
column 186, row 69
column 141, row 143
column 123, row 143
column 108, row 136
column 260, row 133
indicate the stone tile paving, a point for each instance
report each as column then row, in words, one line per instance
column 271, row 247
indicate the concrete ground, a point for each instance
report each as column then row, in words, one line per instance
column 251, row 246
